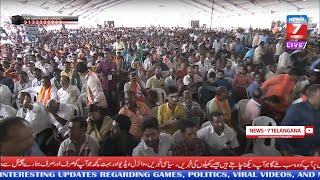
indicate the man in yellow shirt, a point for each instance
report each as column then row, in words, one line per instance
column 170, row 113
column 156, row 81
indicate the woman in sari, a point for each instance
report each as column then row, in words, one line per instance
column 99, row 126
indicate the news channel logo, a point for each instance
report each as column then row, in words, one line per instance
column 297, row 31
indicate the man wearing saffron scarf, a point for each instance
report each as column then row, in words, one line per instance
column 282, row 86
column 220, row 104
column 45, row 92
column 136, row 85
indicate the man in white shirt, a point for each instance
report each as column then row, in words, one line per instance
column 23, row 84
column 255, row 41
column 119, row 46
column 60, row 115
column 44, row 67
column 7, row 111
column 279, row 51
column 92, row 87
column 171, row 79
column 5, row 95
column 37, row 81
column 22, row 111
column 153, row 142
column 284, row 63
column 258, row 52
column 192, row 80
column 218, row 135
column 29, row 70
column 36, row 115
column 204, row 65
column 67, row 94
column 217, row 45
column 186, row 47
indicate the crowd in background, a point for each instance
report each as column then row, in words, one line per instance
column 155, row 92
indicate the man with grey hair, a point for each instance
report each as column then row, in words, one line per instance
column 303, row 114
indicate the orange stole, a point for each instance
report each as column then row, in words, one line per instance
column 46, row 93
column 134, row 88
column 226, row 107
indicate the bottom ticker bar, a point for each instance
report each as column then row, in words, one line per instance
column 172, row 175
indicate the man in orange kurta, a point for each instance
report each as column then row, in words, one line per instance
column 136, row 111
column 281, row 86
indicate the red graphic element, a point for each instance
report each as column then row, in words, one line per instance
column 160, row 163
column 297, row 31
column 309, row 130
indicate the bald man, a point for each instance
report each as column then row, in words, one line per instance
column 16, row 138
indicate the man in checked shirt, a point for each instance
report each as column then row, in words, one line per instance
column 191, row 145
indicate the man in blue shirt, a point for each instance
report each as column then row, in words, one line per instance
column 257, row 83
column 221, row 81
column 303, row 114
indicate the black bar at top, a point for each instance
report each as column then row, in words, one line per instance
column 50, row 18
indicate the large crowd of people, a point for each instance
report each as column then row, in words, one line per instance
column 154, row 92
